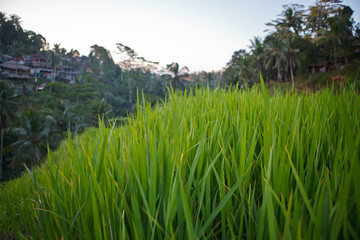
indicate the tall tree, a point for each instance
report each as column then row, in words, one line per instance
column 54, row 60
column 245, row 69
column 290, row 20
column 341, row 33
column 15, row 20
column 316, row 19
column 128, row 56
column 73, row 53
column 257, row 53
column 290, row 54
column 102, row 61
column 178, row 73
column 208, row 76
column 240, row 69
column 273, row 55
column 36, row 42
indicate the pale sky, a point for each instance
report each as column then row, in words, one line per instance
column 200, row 34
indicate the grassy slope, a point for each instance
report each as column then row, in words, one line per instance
column 214, row 164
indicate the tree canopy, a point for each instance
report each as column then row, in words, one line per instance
column 299, row 40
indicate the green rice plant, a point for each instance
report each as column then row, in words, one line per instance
column 203, row 164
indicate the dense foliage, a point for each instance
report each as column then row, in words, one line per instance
column 16, row 41
column 99, row 88
column 72, row 107
column 320, row 38
column 209, row 164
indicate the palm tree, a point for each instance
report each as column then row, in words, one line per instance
column 245, row 69
column 73, row 53
column 15, row 20
column 257, row 53
column 54, row 60
column 290, row 54
column 241, row 68
column 273, row 55
column 7, row 109
column 178, row 74
column 57, row 49
column 290, row 20
column 208, row 76
column 56, row 55
column 33, row 133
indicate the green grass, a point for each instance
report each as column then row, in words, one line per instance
column 206, row 164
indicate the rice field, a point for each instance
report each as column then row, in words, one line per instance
column 205, row 164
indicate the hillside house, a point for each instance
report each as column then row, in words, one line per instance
column 40, row 65
column 68, row 74
column 36, row 65
column 14, row 71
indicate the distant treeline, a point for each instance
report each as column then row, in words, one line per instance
column 319, row 38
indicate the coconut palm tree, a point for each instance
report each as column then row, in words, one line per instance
column 33, row 134
column 54, row 60
column 290, row 54
column 246, row 72
column 73, row 53
column 291, row 19
column 15, row 20
column 178, row 74
column 208, row 76
column 7, row 109
column 257, row 53
column 273, row 55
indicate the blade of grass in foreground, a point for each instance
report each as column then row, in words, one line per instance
column 222, row 204
column 301, row 188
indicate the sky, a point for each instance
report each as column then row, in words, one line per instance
column 199, row 34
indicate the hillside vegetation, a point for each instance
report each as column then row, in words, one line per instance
column 49, row 90
column 205, row 164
